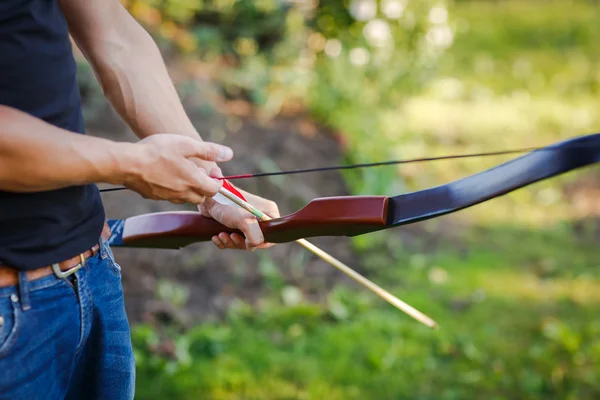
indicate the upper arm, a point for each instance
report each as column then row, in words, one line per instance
column 99, row 27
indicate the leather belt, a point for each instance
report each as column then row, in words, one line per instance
column 9, row 276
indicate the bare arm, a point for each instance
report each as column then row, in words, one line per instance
column 129, row 67
column 37, row 156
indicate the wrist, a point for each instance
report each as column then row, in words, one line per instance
column 124, row 165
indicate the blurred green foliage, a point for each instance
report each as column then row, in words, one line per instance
column 529, row 50
column 515, row 288
column 347, row 62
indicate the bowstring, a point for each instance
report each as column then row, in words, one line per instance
column 366, row 165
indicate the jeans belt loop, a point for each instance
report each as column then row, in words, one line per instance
column 70, row 271
column 24, row 291
column 103, row 250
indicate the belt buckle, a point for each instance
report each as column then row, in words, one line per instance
column 70, row 271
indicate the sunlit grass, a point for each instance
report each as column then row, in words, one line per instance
column 526, row 286
column 500, row 121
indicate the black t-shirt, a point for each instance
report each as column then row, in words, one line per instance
column 38, row 76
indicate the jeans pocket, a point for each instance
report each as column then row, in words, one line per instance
column 112, row 263
column 114, row 267
column 10, row 323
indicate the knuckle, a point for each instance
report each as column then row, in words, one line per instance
column 196, row 199
column 212, row 152
column 212, row 191
column 179, row 197
column 180, row 187
column 272, row 207
column 206, row 150
column 205, row 187
column 247, row 226
column 254, row 242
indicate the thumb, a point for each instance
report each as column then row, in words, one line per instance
column 207, row 151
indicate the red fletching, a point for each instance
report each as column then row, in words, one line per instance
column 232, row 189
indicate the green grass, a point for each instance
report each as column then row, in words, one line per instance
column 514, row 283
column 518, row 319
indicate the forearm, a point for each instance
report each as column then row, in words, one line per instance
column 130, row 69
column 135, row 80
column 36, row 156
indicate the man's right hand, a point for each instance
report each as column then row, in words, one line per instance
column 161, row 167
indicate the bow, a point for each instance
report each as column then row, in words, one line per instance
column 357, row 215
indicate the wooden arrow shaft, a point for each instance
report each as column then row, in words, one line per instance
column 384, row 294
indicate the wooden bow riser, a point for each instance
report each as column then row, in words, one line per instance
column 332, row 216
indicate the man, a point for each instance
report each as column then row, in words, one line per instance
column 63, row 328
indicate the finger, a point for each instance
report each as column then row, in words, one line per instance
column 229, row 243
column 191, row 197
column 207, row 151
column 203, row 209
column 252, row 231
column 273, row 211
column 217, row 242
column 228, row 216
column 238, row 240
column 200, row 163
column 223, row 237
column 203, row 184
column 265, row 245
column 237, row 218
column 215, row 172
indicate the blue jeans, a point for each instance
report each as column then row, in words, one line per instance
column 67, row 338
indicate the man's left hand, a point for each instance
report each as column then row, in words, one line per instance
column 236, row 217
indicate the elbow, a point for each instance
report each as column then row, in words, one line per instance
column 5, row 112
column 118, row 52
column 120, row 45
column 7, row 116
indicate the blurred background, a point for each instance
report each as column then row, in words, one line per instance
column 514, row 283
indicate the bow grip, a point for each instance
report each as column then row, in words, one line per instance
column 329, row 216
